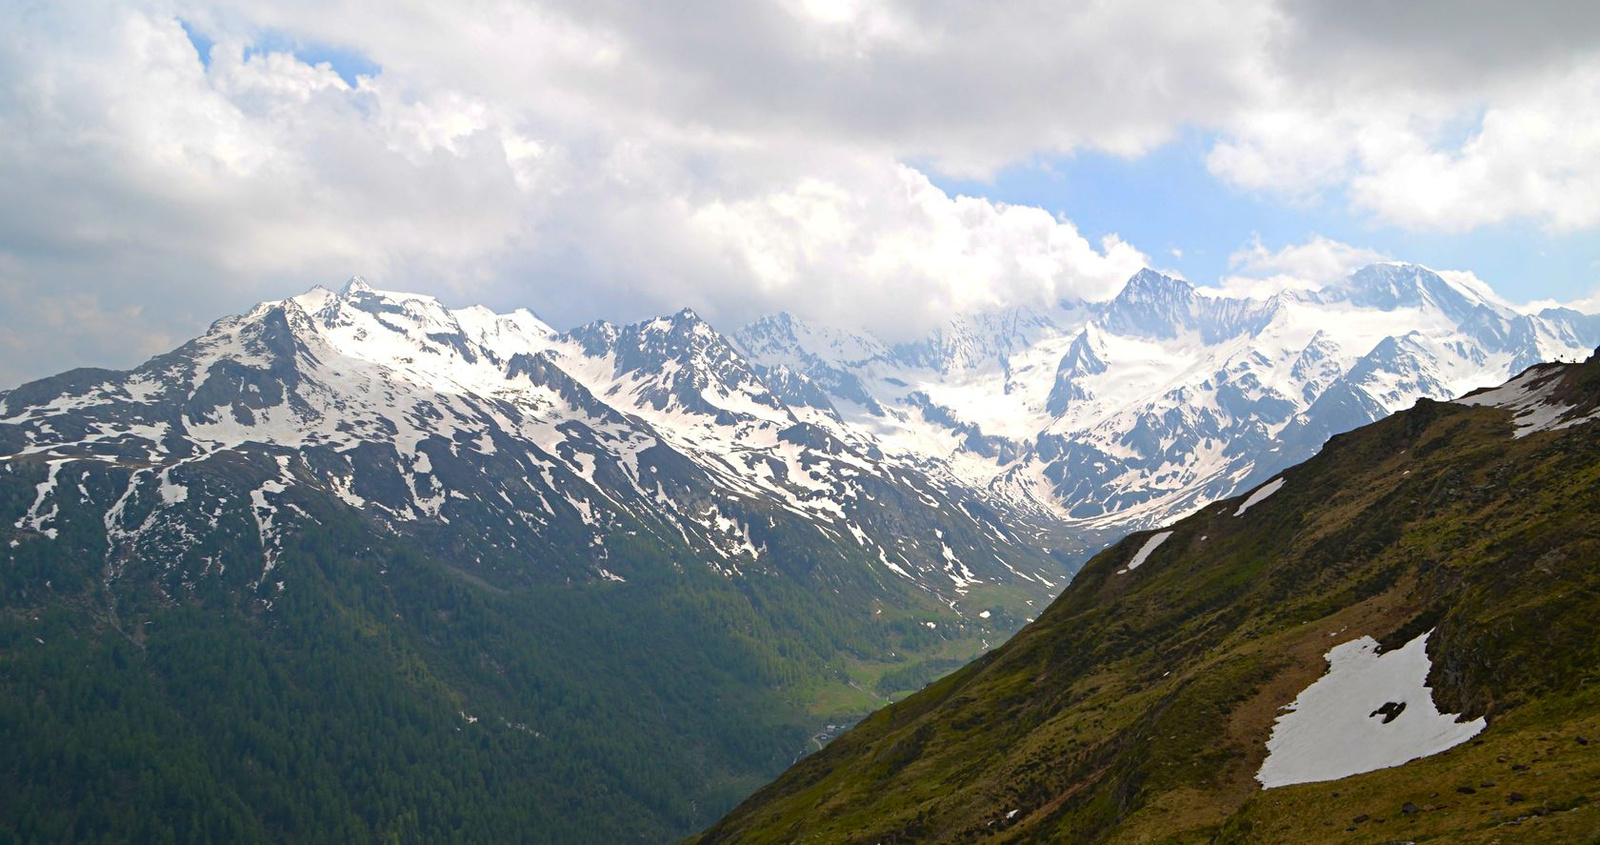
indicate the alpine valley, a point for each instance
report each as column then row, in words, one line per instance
column 358, row 566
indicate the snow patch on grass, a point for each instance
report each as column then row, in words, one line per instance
column 1260, row 495
column 1149, row 546
column 1530, row 399
column 1370, row 711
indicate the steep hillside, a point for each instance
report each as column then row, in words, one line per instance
column 1183, row 669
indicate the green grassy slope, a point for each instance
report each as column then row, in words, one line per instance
column 1137, row 707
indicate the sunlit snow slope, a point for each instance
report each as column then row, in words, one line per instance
column 1129, row 413
column 524, row 452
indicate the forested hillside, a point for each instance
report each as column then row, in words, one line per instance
column 390, row 698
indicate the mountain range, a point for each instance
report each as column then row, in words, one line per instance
column 524, row 453
column 1130, row 412
column 586, row 545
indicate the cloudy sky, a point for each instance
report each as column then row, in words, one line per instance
column 878, row 165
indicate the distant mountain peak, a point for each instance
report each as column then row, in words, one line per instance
column 1153, row 305
column 1393, row 285
column 355, row 285
column 1083, row 359
column 1399, row 281
column 1148, row 284
column 1084, row 356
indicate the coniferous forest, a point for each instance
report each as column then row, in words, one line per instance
column 389, row 698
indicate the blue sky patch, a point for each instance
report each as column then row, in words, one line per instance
column 349, row 64
column 1168, row 200
column 202, row 44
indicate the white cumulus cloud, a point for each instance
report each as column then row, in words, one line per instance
column 1260, row 272
column 596, row 158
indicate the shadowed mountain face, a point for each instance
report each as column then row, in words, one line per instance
column 1145, row 703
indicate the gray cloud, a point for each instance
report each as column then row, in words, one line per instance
column 1450, row 45
column 617, row 159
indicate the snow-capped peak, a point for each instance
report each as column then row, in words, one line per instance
column 1392, row 286
column 1153, row 305
column 354, row 285
column 1147, row 286
column 1136, row 409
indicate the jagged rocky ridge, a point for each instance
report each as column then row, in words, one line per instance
column 1131, row 412
column 520, row 451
